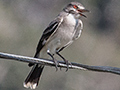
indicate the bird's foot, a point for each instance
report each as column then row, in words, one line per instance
column 55, row 61
column 67, row 63
column 56, row 64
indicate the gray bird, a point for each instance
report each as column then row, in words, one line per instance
column 60, row 33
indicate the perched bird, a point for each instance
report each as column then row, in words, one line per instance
column 60, row 33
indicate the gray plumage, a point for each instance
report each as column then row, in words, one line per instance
column 60, row 33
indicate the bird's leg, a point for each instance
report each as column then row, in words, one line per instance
column 55, row 61
column 66, row 61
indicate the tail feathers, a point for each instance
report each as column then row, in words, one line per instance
column 36, row 56
column 32, row 79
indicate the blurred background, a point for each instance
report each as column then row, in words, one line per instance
column 21, row 25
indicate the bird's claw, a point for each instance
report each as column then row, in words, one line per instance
column 67, row 63
column 56, row 64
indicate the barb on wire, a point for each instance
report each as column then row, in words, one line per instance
column 48, row 62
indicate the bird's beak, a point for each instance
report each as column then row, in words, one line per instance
column 82, row 11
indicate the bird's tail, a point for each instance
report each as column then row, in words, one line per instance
column 33, row 77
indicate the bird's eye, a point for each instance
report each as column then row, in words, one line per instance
column 74, row 6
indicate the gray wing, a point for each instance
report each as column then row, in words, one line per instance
column 78, row 29
column 48, row 32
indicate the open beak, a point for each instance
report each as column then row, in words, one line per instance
column 82, row 11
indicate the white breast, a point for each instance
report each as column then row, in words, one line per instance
column 70, row 20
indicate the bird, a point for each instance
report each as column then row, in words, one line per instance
column 60, row 33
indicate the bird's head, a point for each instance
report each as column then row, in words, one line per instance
column 75, row 8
